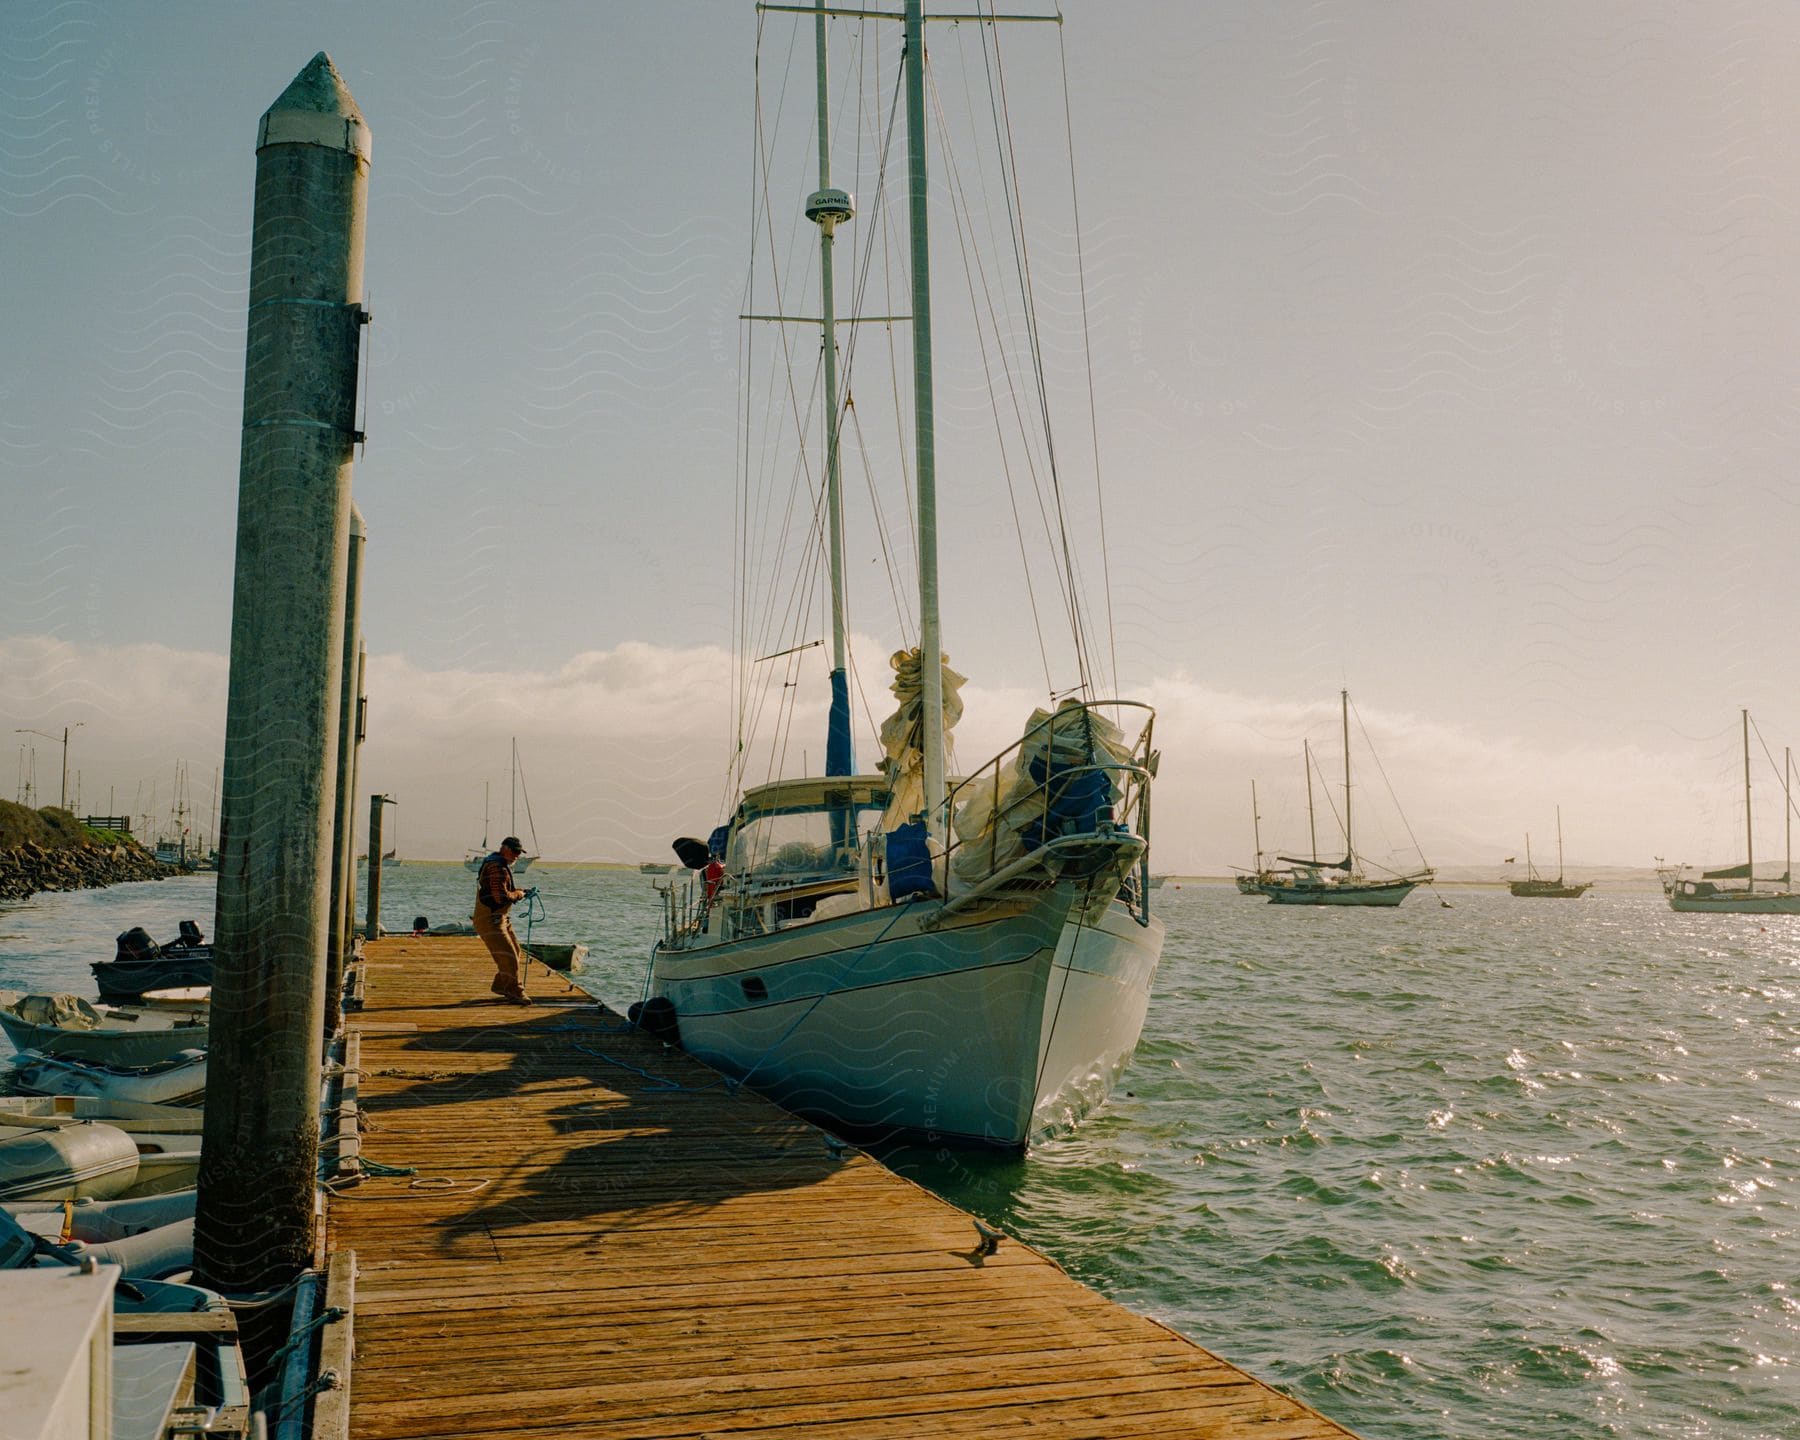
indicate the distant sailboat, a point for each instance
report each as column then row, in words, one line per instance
column 1307, row 882
column 473, row 859
column 1703, row 897
column 1250, row 882
column 1539, row 887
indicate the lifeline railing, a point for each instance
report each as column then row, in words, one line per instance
column 1131, row 810
column 684, row 914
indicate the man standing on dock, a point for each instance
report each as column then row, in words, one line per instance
column 495, row 895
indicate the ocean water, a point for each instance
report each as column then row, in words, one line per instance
column 1496, row 1168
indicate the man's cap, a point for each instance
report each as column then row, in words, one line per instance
column 511, row 842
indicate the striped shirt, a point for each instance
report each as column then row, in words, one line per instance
column 494, row 885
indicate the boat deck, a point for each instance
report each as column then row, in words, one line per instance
column 602, row 1240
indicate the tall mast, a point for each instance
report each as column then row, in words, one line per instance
column 1559, row 859
column 827, row 208
column 1349, row 842
column 1749, row 830
column 931, row 641
column 1312, row 830
column 1787, row 807
column 1530, row 871
column 1256, row 826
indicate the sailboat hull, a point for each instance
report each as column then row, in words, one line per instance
column 1548, row 890
column 1379, row 896
column 1736, row 903
column 994, row 1029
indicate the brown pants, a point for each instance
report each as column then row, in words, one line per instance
column 509, row 960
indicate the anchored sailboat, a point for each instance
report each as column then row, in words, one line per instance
column 901, row 951
column 1250, row 882
column 1540, row 887
column 1702, row 896
column 473, row 858
column 1338, row 882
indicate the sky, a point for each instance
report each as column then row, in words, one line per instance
column 1444, row 354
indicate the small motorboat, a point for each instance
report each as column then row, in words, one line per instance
column 179, row 1080
column 167, row 1136
column 68, row 1026
column 98, row 1220
column 161, row 1254
column 65, row 1162
column 189, row 1382
column 139, row 964
column 558, row 957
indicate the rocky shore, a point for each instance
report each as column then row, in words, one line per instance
column 29, row 868
column 50, row 849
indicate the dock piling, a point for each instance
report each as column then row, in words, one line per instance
column 373, row 930
column 255, row 1214
column 346, row 920
column 343, row 828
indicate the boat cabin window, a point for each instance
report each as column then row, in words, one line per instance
column 790, row 845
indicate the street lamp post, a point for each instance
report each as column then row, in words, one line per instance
column 63, row 801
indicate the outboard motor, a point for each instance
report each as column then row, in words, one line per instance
column 136, row 945
column 191, row 938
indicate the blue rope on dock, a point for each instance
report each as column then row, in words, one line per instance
column 657, row 1082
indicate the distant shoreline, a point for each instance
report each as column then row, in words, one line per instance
column 1607, row 883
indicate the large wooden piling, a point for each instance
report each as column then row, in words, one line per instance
column 343, row 825
column 347, row 920
column 375, row 803
column 254, row 1219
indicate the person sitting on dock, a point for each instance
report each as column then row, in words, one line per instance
column 495, row 895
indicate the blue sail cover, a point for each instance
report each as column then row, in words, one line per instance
column 909, row 862
column 840, row 753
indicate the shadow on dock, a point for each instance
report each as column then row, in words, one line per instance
column 683, row 1261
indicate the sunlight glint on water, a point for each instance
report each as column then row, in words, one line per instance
column 1507, row 1168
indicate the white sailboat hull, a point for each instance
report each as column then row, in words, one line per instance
column 1737, row 903
column 994, row 1029
column 1379, row 896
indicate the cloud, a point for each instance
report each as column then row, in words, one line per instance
column 622, row 749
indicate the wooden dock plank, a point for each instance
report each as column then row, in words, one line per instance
column 597, row 1237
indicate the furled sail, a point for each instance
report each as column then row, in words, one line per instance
column 1343, row 864
column 1742, row 872
column 902, row 733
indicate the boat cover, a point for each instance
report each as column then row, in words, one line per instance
column 1043, row 792
column 63, row 1011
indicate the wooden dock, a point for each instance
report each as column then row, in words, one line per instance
column 602, row 1240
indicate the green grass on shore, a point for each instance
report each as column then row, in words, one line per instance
column 51, row 828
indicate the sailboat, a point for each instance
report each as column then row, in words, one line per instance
column 1249, row 882
column 1541, row 887
column 901, row 951
column 474, row 858
column 1702, row 896
column 476, row 855
column 1308, row 881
